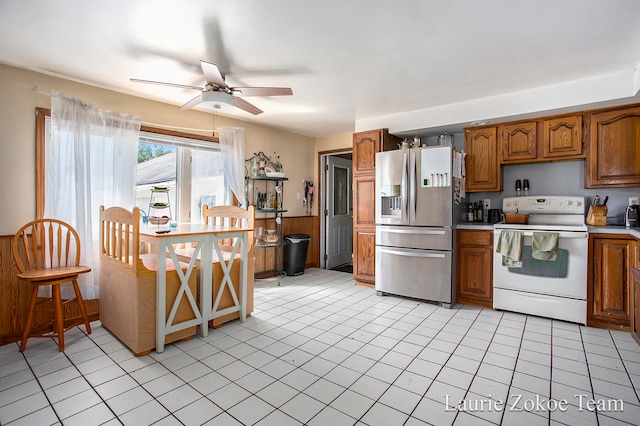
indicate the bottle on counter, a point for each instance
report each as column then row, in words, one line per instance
column 479, row 211
column 471, row 213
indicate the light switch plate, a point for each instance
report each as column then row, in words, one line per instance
column 633, row 201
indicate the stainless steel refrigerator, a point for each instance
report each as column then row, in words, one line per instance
column 415, row 216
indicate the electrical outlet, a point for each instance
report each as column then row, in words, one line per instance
column 487, row 203
column 298, row 195
column 633, row 201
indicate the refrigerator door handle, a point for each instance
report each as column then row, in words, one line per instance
column 413, row 253
column 414, row 189
column 403, row 186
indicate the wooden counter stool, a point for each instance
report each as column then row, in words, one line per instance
column 47, row 254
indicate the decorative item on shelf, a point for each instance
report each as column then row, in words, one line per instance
column 445, row 139
column 254, row 165
column 259, row 233
column 271, row 237
column 262, row 165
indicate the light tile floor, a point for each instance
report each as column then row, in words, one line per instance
column 319, row 350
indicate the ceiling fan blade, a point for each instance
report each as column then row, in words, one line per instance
column 212, row 74
column 262, row 91
column 246, row 106
column 214, row 43
column 193, row 102
column 162, row 83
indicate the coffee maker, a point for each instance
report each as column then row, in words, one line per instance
column 631, row 216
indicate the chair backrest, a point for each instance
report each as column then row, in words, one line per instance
column 120, row 235
column 46, row 243
column 231, row 216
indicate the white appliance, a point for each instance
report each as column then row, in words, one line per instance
column 414, row 223
column 548, row 288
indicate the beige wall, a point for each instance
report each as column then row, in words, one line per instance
column 17, row 138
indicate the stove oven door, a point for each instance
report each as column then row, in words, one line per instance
column 565, row 277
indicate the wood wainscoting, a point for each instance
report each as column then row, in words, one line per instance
column 14, row 293
column 14, row 299
column 309, row 225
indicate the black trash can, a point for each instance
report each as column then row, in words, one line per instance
column 295, row 253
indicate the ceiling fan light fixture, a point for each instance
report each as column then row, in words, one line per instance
column 220, row 100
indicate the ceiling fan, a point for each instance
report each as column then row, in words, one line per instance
column 216, row 91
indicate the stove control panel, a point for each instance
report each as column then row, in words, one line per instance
column 553, row 204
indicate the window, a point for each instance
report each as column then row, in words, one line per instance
column 192, row 170
column 191, row 166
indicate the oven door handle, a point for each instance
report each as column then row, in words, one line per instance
column 575, row 235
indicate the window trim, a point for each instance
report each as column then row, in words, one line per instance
column 41, row 117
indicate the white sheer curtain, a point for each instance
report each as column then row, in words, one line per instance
column 90, row 160
column 232, row 147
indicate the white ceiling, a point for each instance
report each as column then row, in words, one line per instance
column 346, row 60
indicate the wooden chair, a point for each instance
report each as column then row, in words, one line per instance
column 47, row 254
column 128, row 284
column 234, row 217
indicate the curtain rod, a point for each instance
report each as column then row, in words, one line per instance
column 36, row 89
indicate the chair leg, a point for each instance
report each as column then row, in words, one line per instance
column 58, row 322
column 30, row 313
column 83, row 309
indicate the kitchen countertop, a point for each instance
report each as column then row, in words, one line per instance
column 609, row 229
column 614, row 229
column 480, row 226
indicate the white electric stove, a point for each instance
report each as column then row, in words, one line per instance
column 549, row 288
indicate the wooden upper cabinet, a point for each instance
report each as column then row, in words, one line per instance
column 365, row 146
column 518, row 142
column 483, row 171
column 547, row 139
column 614, row 148
column 562, row 137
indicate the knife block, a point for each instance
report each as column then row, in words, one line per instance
column 597, row 215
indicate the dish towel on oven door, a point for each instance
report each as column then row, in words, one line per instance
column 544, row 246
column 510, row 247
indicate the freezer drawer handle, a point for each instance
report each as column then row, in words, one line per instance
column 415, row 253
column 409, row 231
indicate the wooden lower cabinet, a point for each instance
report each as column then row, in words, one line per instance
column 635, row 318
column 610, row 284
column 364, row 256
column 475, row 267
column 364, row 230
